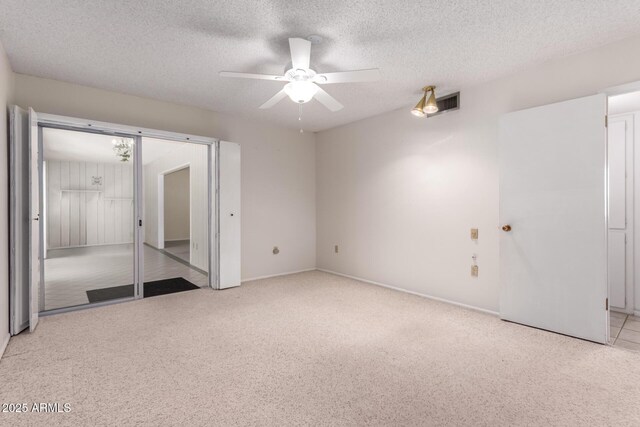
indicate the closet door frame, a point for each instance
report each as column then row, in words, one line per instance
column 135, row 133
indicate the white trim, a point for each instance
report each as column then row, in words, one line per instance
column 431, row 297
column 176, row 169
column 622, row 89
column 636, row 313
column 160, row 212
column 4, row 344
column 56, row 120
column 91, row 246
column 621, row 311
column 278, row 275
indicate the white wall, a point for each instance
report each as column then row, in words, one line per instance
column 6, row 98
column 176, row 205
column 624, row 103
column 87, row 219
column 278, row 165
column 194, row 155
column 399, row 194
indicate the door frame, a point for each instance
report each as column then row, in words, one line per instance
column 160, row 205
column 628, row 231
column 135, row 133
column 610, row 91
column 18, row 210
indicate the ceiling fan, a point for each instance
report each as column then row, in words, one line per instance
column 303, row 82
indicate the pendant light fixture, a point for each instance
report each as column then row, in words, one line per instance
column 426, row 105
column 123, row 148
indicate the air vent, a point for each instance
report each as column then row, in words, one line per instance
column 447, row 103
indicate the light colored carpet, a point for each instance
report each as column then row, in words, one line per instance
column 312, row 349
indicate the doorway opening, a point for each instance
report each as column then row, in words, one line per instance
column 103, row 235
column 88, row 213
column 176, row 185
column 177, row 213
column 623, row 161
column 84, row 207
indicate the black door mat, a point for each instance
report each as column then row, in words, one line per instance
column 151, row 289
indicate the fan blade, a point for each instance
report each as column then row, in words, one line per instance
column 370, row 75
column 327, row 100
column 250, row 76
column 274, row 99
column 300, row 53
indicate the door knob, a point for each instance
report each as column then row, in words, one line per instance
column 506, row 228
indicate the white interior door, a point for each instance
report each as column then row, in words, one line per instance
column 229, row 214
column 19, row 220
column 34, row 209
column 553, row 260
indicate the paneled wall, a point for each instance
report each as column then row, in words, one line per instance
column 185, row 154
column 88, row 203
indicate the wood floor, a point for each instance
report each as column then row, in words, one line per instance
column 70, row 273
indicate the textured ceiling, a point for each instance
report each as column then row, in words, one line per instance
column 173, row 50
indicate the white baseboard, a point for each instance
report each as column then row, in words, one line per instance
column 278, row 275
column 459, row 304
column 89, row 246
column 3, row 345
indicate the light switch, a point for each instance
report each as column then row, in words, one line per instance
column 474, row 234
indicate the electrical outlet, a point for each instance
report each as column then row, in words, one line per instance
column 335, row 249
column 474, row 234
column 474, row 271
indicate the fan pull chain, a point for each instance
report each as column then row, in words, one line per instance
column 300, row 116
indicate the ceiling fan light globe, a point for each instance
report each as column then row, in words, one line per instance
column 300, row 92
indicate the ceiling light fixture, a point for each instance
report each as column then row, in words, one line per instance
column 300, row 91
column 303, row 83
column 123, row 148
column 426, row 106
column 418, row 110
